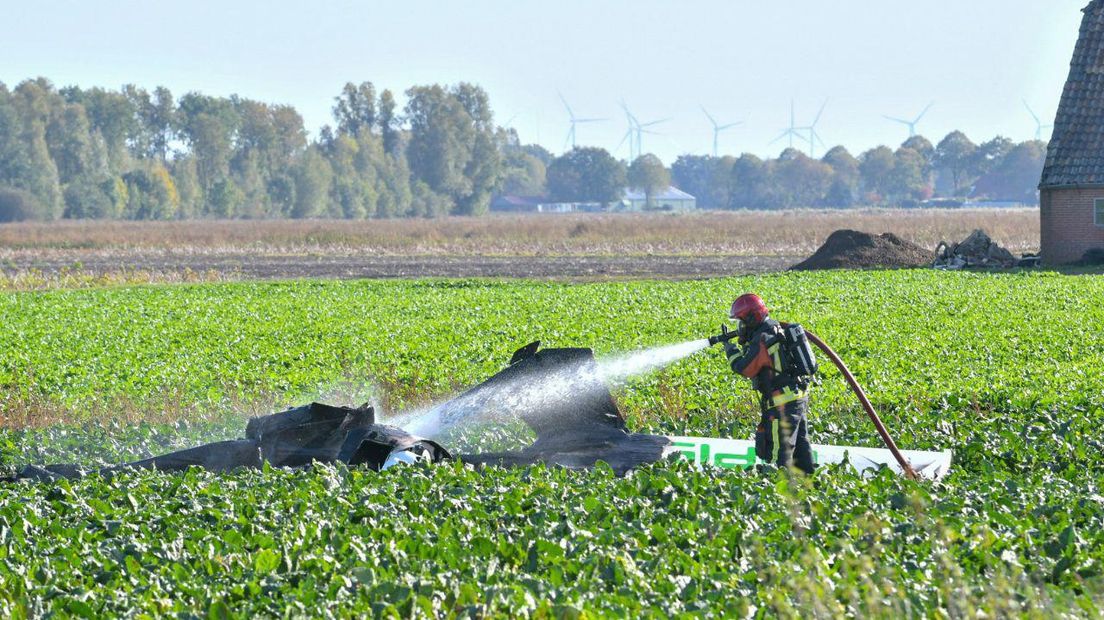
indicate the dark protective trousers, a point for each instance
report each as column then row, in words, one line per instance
column 781, row 437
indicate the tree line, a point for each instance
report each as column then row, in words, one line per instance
column 955, row 168
column 136, row 154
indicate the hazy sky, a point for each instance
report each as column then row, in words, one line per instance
column 743, row 60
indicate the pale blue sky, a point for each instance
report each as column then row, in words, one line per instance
column 743, row 60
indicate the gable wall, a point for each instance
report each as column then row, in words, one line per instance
column 1067, row 226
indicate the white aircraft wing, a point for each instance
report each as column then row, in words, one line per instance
column 732, row 453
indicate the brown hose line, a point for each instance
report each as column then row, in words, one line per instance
column 901, row 460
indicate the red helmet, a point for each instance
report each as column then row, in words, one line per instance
column 749, row 308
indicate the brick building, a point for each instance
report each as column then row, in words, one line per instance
column 1072, row 187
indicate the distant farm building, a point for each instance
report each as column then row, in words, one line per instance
column 670, row 199
column 536, row 204
column 1072, row 186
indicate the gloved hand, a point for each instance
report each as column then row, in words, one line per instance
column 731, row 348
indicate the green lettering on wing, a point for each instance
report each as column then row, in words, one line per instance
column 732, row 460
column 687, row 449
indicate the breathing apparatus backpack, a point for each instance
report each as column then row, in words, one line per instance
column 798, row 361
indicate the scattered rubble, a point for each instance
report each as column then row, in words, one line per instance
column 1093, row 257
column 1030, row 260
column 977, row 250
column 851, row 249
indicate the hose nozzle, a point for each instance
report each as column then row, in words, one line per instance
column 724, row 336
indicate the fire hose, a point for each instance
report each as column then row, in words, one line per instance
column 855, row 387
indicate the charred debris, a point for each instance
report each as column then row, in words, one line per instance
column 558, row 392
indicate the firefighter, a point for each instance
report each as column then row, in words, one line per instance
column 760, row 354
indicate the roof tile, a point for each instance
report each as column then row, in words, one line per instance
column 1076, row 146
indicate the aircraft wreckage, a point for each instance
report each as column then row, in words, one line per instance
column 558, row 392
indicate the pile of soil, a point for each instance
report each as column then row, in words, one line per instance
column 851, row 249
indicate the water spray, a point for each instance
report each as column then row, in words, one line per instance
column 623, row 367
column 501, row 402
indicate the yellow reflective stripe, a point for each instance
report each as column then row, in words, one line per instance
column 787, row 396
column 735, row 356
column 774, row 436
column 776, row 358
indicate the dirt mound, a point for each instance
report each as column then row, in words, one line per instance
column 851, row 249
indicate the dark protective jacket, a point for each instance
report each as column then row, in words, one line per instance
column 780, row 437
column 761, row 360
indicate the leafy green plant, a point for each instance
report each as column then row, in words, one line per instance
column 961, row 361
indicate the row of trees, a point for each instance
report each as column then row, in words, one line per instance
column 135, row 154
column 955, row 168
column 139, row 155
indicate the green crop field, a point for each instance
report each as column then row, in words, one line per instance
column 1006, row 370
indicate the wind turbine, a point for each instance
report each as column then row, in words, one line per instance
column 814, row 137
column 793, row 130
column 717, row 129
column 636, row 131
column 575, row 121
column 641, row 130
column 913, row 123
column 628, row 132
column 1039, row 126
